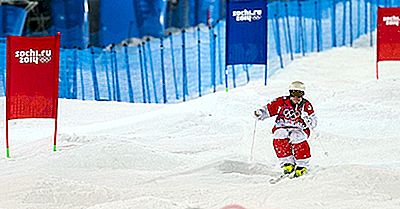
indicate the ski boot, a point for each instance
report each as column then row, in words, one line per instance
column 300, row 171
column 288, row 168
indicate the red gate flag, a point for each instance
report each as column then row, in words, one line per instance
column 32, row 79
column 388, row 35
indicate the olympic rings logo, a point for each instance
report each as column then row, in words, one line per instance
column 291, row 114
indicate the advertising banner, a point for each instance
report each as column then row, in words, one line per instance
column 388, row 35
column 246, row 32
column 32, row 78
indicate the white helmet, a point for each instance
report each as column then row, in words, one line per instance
column 297, row 85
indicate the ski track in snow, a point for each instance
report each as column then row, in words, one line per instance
column 196, row 155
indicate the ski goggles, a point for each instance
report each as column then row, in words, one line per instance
column 296, row 93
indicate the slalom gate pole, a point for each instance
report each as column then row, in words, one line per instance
column 7, row 145
column 55, row 135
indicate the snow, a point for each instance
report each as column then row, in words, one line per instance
column 197, row 154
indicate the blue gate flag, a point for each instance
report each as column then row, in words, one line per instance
column 246, row 32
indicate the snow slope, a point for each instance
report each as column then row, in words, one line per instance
column 196, row 155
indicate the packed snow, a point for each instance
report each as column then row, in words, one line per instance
column 197, row 154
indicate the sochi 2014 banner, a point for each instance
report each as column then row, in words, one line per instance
column 388, row 36
column 32, row 77
column 246, row 32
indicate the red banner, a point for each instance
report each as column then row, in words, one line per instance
column 388, row 35
column 32, row 77
column 388, row 42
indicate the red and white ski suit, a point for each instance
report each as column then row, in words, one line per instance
column 292, row 129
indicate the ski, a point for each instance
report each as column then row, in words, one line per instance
column 281, row 177
column 278, row 179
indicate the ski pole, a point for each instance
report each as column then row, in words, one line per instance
column 317, row 138
column 252, row 144
column 323, row 148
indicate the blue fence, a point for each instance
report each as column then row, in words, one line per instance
column 191, row 63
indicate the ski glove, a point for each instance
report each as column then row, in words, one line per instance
column 310, row 120
column 261, row 114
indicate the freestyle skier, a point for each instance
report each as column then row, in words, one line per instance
column 294, row 119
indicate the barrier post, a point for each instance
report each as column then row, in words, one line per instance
column 199, row 60
column 128, row 74
column 184, row 70
column 164, row 86
column 171, row 42
column 94, row 76
column 146, row 74
column 153, row 79
column 333, row 22
column 142, row 73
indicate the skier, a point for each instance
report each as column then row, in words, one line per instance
column 295, row 118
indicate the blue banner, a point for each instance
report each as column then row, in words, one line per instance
column 246, row 32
